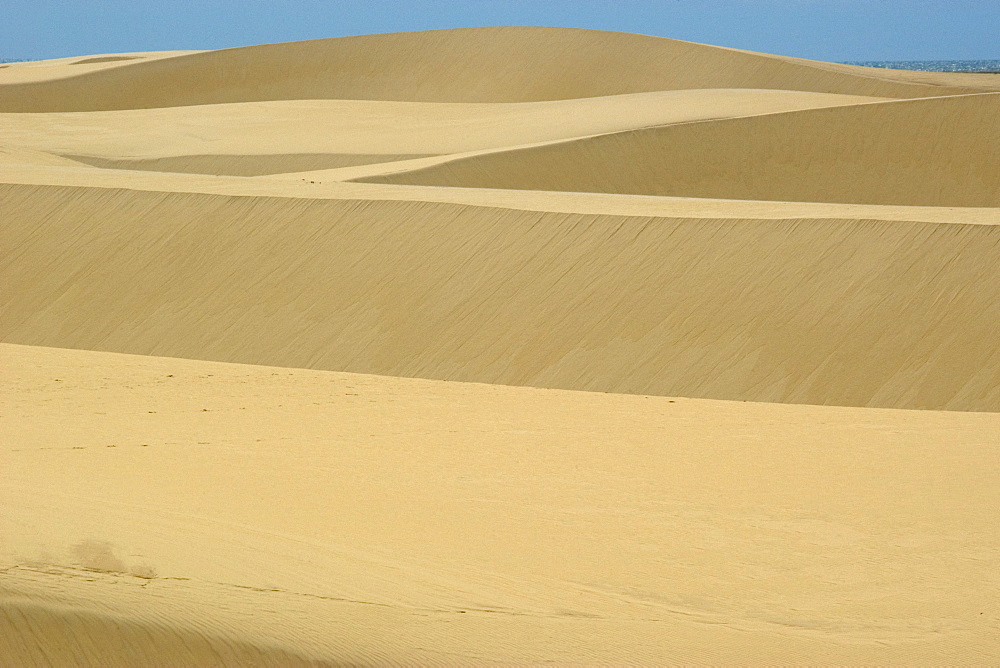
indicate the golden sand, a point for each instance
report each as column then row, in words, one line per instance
column 497, row 346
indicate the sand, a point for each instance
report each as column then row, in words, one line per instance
column 376, row 519
column 917, row 152
column 497, row 346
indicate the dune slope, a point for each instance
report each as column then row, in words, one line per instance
column 38, row 632
column 369, row 520
column 497, row 346
column 849, row 312
column 210, row 136
column 933, row 152
column 525, row 64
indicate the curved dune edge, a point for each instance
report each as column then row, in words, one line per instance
column 376, row 126
column 313, row 186
column 243, row 165
column 13, row 157
column 40, row 71
column 510, row 525
column 526, row 64
column 104, row 59
column 34, row 634
column 846, row 312
column 931, row 152
column 171, row 507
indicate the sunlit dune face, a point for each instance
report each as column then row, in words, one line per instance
column 497, row 346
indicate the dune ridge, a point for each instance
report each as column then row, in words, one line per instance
column 525, row 64
column 38, row 169
column 846, row 312
column 497, row 346
column 364, row 127
column 916, row 152
column 34, row 634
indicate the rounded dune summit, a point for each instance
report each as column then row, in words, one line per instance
column 497, row 346
column 523, row 64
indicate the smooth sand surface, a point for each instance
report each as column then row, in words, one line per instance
column 281, row 137
column 375, row 520
column 901, row 152
column 40, row 169
column 830, row 311
column 375, row 126
column 523, row 65
column 34, row 71
column 497, row 346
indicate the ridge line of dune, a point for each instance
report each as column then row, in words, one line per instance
column 491, row 284
column 848, row 154
column 607, row 204
column 833, row 215
column 448, row 158
column 173, row 81
column 721, row 119
column 840, row 68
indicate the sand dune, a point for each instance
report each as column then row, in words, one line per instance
column 35, row 71
column 269, row 137
column 289, row 510
column 816, row 311
column 524, row 65
column 912, row 152
column 35, row 634
column 323, row 185
column 358, row 126
column 730, row 269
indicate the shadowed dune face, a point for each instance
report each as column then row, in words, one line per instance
column 915, row 152
column 844, row 309
column 21, row 157
column 265, row 131
column 813, row 311
column 613, row 216
column 38, row 635
column 525, row 64
column 104, row 59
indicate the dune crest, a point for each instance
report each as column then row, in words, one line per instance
column 812, row 311
column 497, row 346
column 177, row 137
column 524, row 64
column 917, row 152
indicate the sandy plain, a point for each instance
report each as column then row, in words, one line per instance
column 497, row 346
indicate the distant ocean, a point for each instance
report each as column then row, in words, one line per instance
column 933, row 65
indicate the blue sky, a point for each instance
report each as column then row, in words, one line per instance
column 821, row 29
